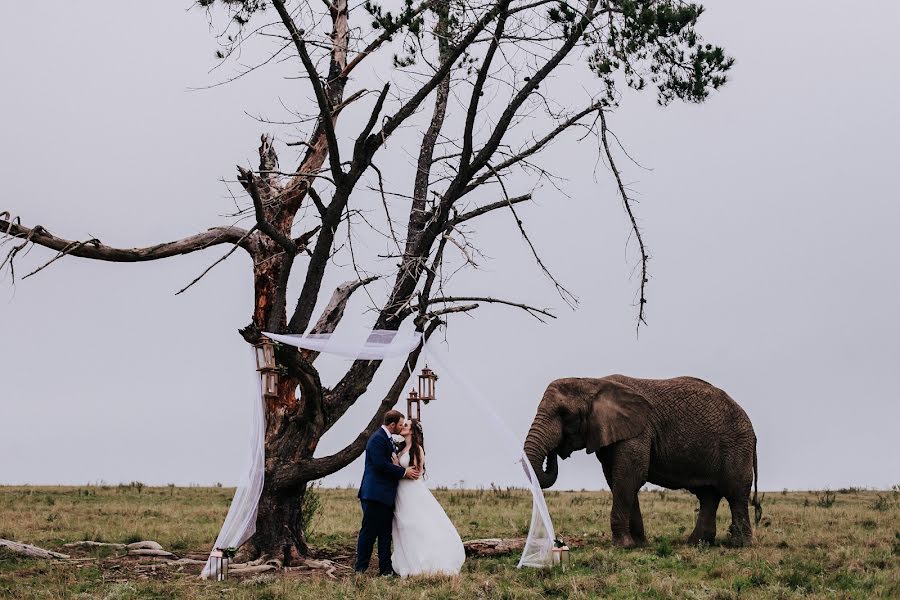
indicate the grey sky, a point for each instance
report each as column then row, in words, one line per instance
column 771, row 213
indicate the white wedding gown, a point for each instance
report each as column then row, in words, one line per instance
column 425, row 540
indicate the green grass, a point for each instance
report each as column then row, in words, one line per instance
column 847, row 547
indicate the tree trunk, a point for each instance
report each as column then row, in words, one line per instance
column 278, row 528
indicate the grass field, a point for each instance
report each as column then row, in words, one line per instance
column 808, row 545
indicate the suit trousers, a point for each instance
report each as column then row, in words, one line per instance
column 376, row 523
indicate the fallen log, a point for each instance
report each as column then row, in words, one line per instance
column 92, row 544
column 146, row 545
column 255, row 570
column 30, row 551
column 149, row 552
column 493, row 546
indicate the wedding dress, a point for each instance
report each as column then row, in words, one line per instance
column 425, row 540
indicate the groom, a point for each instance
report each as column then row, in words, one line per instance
column 377, row 493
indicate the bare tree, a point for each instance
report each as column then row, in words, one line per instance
column 452, row 56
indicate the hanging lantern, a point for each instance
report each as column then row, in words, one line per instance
column 265, row 354
column 265, row 364
column 220, row 560
column 427, row 379
column 414, row 405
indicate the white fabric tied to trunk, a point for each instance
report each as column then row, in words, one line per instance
column 240, row 522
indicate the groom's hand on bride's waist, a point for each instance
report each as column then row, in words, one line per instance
column 411, row 473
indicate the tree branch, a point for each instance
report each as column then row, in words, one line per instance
column 626, row 201
column 95, row 250
column 249, row 181
column 466, row 154
column 477, row 212
column 326, row 118
column 205, row 271
column 385, row 36
column 531, row 310
column 534, row 148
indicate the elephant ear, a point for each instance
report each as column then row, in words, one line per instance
column 617, row 413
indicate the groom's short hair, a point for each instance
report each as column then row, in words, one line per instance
column 392, row 416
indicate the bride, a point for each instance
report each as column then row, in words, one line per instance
column 425, row 541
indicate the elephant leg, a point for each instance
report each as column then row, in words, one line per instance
column 625, row 466
column 636, row 523
column 740, row 533
column 705, row 529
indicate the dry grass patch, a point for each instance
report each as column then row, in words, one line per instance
column 845, row 548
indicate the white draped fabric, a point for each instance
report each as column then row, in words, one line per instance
column 240, row 522
column 538, row 551
column 380, row 344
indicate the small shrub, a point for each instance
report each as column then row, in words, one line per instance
column 802, row 576
column 868, row 524
column 882, row 503
column 826, row 499
column 312, row 502
column 499, row 492
column 664, row 547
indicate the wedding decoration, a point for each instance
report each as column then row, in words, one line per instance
column 427, row 381
column 240, row 522
column 265, row 364
column 220, row 559
column 561, row 554
column 414, row 405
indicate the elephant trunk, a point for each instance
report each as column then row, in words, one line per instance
column 543, row 439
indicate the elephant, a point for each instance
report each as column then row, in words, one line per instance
column 680, row 433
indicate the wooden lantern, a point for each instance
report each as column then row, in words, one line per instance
column 427, row 379
column 414, row 405
column 220, row 559
column 561, row 556
column 265, row 354
column 265, row 364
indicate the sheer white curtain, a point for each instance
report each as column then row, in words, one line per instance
column 240, row 522
column 538, row 551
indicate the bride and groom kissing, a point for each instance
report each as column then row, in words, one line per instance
column 397, row 505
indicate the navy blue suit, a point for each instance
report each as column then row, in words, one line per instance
column 377, row 493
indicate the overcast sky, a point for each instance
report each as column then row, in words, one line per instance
column 771, row 212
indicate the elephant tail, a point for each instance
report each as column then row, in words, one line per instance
column 757, row 505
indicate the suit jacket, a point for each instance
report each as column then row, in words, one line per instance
column 381, row 476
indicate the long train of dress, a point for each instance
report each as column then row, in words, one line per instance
column 425, row 540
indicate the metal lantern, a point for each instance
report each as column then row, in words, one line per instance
column 265, row 364
column 220, row 560
column 427, row 379
column 414, row 402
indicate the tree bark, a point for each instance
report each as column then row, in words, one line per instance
column 278, row 529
